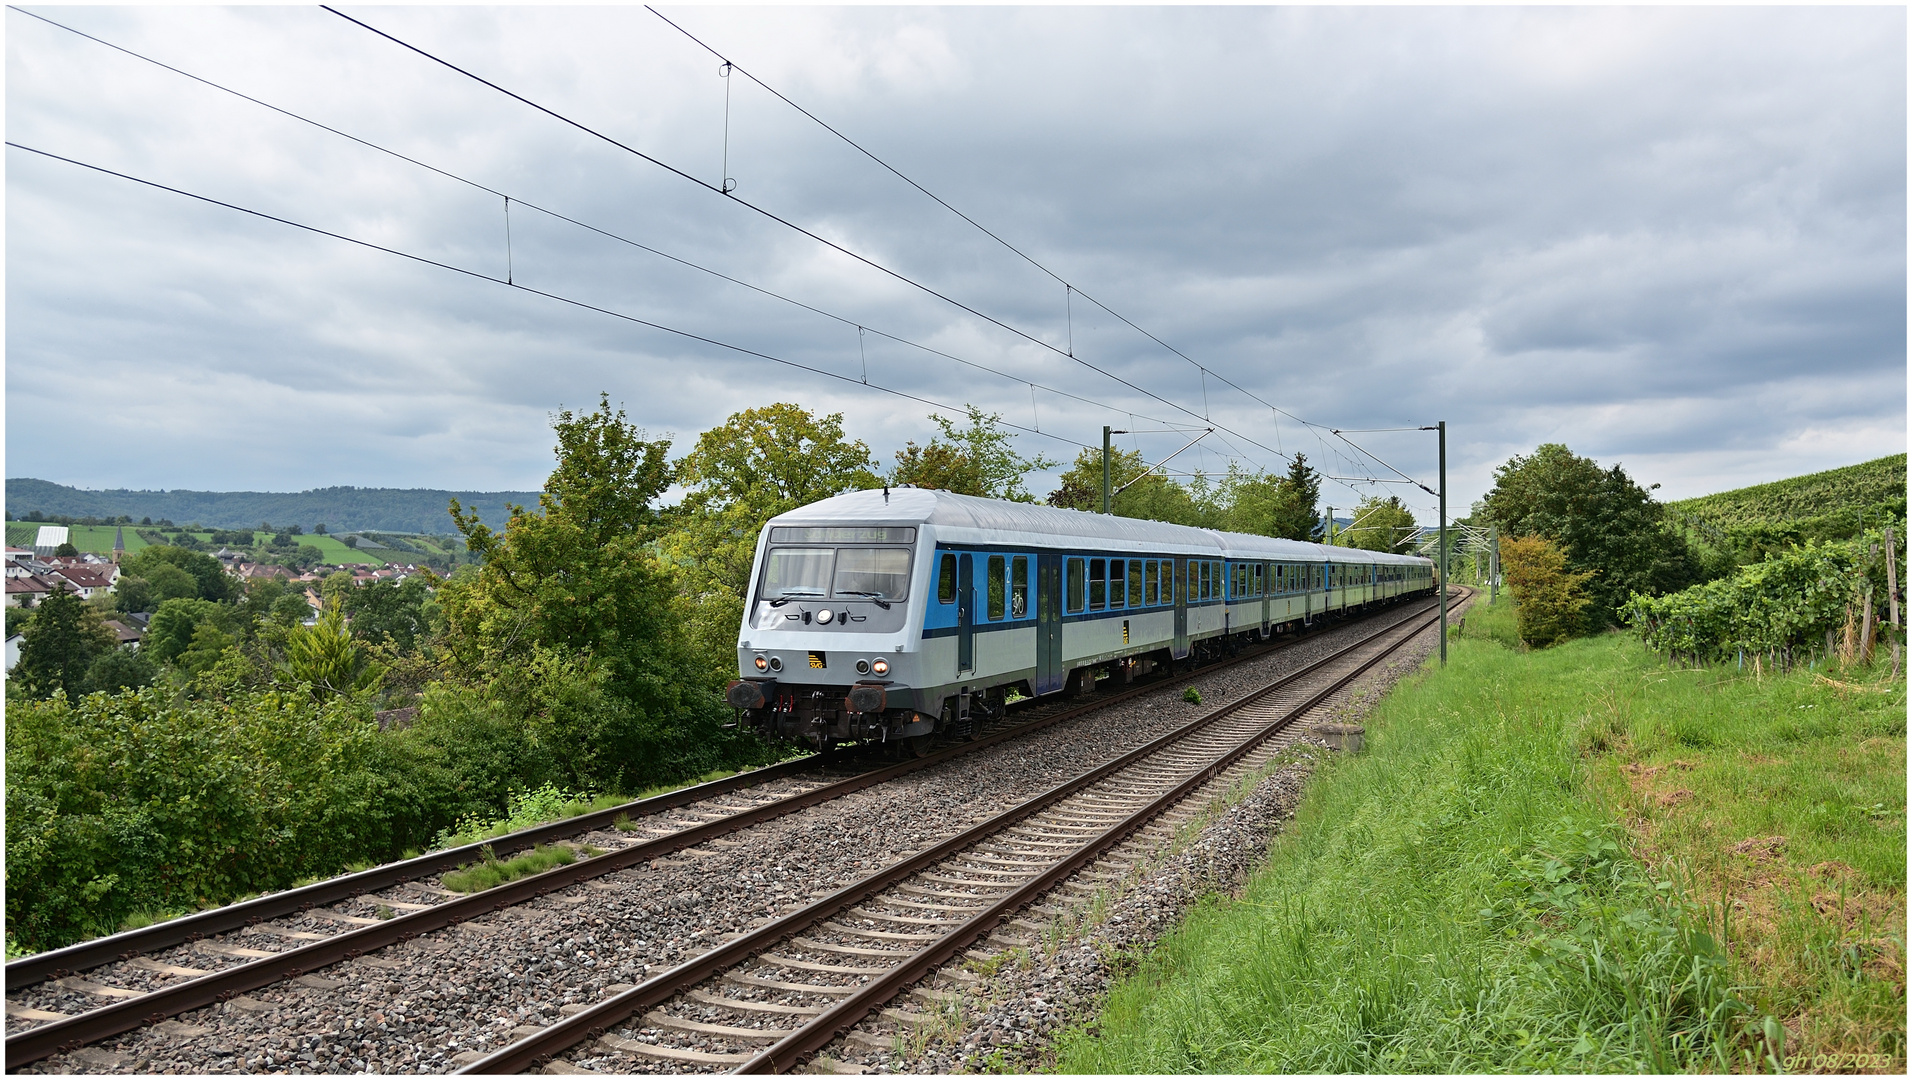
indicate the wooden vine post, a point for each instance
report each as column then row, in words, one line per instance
column 1892, row 592
column 1865, row 620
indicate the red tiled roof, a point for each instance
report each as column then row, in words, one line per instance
column 86, row 577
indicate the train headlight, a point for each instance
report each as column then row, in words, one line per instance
column 862, row 667
column 825, row 615
column 776, row 664
column 762, row 663
column 880, row 666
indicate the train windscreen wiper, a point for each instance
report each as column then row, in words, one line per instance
column 876, row 596
column 788, row 595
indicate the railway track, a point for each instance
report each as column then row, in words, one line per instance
column 768, row 998
column 145, row 977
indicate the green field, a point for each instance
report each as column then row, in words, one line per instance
column 99, row 538
column 1575, row 860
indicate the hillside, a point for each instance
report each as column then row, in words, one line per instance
column 1735, row 528
column 340, row 509
column 1877, row 484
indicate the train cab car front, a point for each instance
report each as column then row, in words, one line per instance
column 825, row 639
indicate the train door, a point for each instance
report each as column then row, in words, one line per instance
column 1181, row 608
column 1265, row 584
column 1049, row 671
column 966, row 613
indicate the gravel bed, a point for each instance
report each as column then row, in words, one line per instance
column 433, row 1003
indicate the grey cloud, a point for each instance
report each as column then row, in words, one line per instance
column 1629, row 230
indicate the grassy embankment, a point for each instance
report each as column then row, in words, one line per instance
column 1572, row 860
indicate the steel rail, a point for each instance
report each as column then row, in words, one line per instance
column 535, row 1050
column 85, row 955
column 821, row 1031
column 32, row 970
column 72, row 1032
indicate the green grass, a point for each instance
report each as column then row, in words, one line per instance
column 1779, row 804
column 550, row 803
column 490, row 872
column 1469, row 895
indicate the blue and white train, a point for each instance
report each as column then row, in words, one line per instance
column 900, row 616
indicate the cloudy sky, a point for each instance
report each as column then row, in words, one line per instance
column 1669, row 238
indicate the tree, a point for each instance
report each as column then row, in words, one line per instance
column 324, row 657
column 1606, row 523
column 116, row 670
column 1148, row 495
column 209, row 577
column 1379, row 525
column 1551, row 599
column 977, row 460
column 577, row 574
column 162, row 582
column 1296, row 516
column 395, row 609
column 172, row 628
column 66, row 550
column 62, row 641
column 339, row 584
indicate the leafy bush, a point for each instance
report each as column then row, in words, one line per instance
column 1791, row 600
column 117, row 804
column 523, row 809
column 1551, row 598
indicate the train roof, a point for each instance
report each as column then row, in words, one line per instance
column 957, row 513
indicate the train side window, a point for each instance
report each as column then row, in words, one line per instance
column 1076, row 579
column 998, row 588
column 1118, row 596
column 1152, row 583
column 1202, row 581
column 1098, row 584
column 1019, row 587
column 1260, row 570
column 1135, row 583
column 946, row 579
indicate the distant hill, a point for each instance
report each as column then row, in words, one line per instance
column 340, row 509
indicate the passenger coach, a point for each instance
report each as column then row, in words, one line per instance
column 907, row 614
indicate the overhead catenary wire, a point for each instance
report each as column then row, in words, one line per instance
column 481, row 276
column 509, row 280
column 1068, row 286
column 793, row 226
column 558, row 215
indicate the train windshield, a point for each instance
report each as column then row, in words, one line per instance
column 792, row 572
column 878, row 573
column 874, row 573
